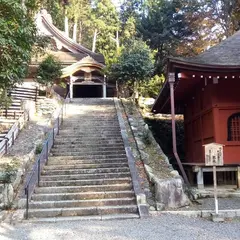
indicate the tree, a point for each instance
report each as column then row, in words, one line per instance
column 134, row 65
column 49, row 71
column 105, row 26
column 78, row 11
column 17, row 36
column 163, row 28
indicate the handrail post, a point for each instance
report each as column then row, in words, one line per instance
column 27, row 203
column 6, row 145
column 13, row 138
column 62, row 112
column 53, row 136
column 36, row 94
column 47, row 151
column 39, row 172
column 58, row 125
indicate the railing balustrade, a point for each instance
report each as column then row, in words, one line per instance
column 35, row 174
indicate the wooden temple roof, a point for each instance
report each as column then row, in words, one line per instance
column 69, row 51
column 86, row 64
column 220, row 61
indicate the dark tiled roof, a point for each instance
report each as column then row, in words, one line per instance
column 226, row 53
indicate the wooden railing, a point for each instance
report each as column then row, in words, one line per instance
column 12, row 134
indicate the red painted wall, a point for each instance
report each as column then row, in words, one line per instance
column 206, row 113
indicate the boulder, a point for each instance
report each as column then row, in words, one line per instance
column 171, row 193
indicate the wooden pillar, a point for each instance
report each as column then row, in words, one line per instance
column 238, row 176
column 71, row 87
column 104, row 87
column 200, row 182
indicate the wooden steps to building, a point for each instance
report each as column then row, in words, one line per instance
column 87, row 174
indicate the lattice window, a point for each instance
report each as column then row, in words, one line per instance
column 234, row 127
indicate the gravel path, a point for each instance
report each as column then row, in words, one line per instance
column 208, row 204
column 162, row 227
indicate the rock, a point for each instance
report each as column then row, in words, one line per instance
column 170, row 193
column 140, row 144
column 8, row 195
column 160, row 206
column 174, row 173
column 152, row 208
column 144, row 156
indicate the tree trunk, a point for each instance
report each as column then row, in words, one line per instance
column 66, row 26
column 75, row 32
column 80, row 32
column 94, row 40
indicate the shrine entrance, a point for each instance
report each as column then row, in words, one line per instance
column 87, row 91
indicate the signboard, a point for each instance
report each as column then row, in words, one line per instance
column 213, row 154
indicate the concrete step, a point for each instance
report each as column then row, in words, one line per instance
column 90, row 188
column 85, row 171
column 82, row 196
column 82, row 203
column 82, row 211
column 84, row 176
column 85, row 182
column 82, row 152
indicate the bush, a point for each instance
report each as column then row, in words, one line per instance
column 49, row 71
column 151, row 88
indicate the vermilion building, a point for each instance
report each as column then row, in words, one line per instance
column 207, row 92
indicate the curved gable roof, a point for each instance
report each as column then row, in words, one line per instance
column 46, row 27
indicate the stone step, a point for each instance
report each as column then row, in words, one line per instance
column 81, row 211
column 82, row 152
column 82, row 196
column 90, row 188
column 86, row 218
column 84, row 176
column 85, row 182
column 82, row 203
column 74, row 148
column 89, row 157
column 89, row 120
column 88, row 143
column 93, row 161
column 89, row 134
column 88, row 139
column 85, row 171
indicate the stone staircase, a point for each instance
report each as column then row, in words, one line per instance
column 9, row 116
column 87, row 175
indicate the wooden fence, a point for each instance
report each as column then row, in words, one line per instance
column 12, row 134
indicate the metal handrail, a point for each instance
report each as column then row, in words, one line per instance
column 34, row 177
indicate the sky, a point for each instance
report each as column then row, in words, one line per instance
column 117, row 2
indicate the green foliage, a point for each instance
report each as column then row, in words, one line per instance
column 162, row 132
column 163, row 28
column 134, row 64
column 9, row 171
column 39, row 148
column 48, row 71
column 17, row 35
column 152, row 87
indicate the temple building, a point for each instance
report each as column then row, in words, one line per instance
column 82, row 68
column 205, row 89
